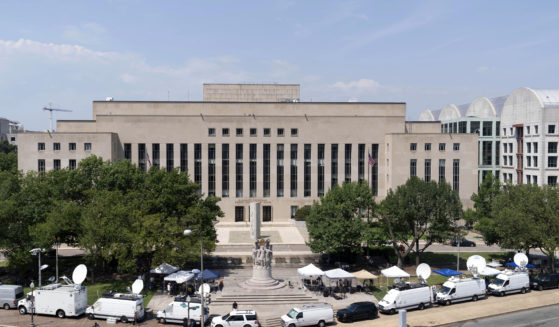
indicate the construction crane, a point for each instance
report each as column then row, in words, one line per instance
column 51, row 110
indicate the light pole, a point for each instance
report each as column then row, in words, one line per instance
column 32, row 285
column 188, row 232
column 37, row 251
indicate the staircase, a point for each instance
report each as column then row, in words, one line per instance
column 263, row 299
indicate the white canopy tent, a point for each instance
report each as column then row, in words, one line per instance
column 310, row 271
column 394, row 272
column 488, row 271
column 164, row 269
column 338, row 274
column 180, row 277
column 494, row 264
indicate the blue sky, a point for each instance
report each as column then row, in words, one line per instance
column 425, row 53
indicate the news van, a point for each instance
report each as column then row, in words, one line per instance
column 180, row 310
column 120, row 306
column 512, row 281
column 461, row 289
column 409, row 295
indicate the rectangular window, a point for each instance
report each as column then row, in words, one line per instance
column 361, row 163
column 487, row 128
column 56, row 146
column 87, row 146
column 551, row 180
column 239, row 132
column 456, row 174
column 442, row 146
column 267, row 132
column 528, row 179
column 294, row 132
column 454, row 127
column 535, row 179
column 155, row 154
column 462, row 127
column 535, row 132
column 320, row 181
column 413, row 167
column 211, row 169
column 334, row 160
column 293, row 170
column 239, row 213
column 127, row 151
column 40, row 146
column 374, row 169
column 497, row 128
column 442, row 170
column 225, row 132
column 535, row 147
column 252, row 170
column 552, row 162
column 71, row 146
column 497, row 154
column 486, row 155
column 279, row 169
column 225, row 170
column 528, row 161
column 510, row 147
column 198, row 166
column 474, row 127
column 504, row 131
column 552, row 147
column 266, row 213
column 293, row 211
column 239, row 170
column 528, row 147
column 142, row 156
column 41, row 165
column 72, row 164
column 427, row 170
column 170, row 150
column 347, row 163
column 266, row 171
column 456, row 146
column 307, row 170
column 281, row 132
column 184, row 157
column 527, row 130
column 427, row 146
column 413, row 146
column 211, row 131
column 551, row 129
column 56, row 164
column 504, row 160
column 253, row 132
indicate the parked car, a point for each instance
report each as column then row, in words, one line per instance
column 510, row 282
column 10, row 295
column 463, row 242
column 406, row 296
column 309, row 315
column 238, row 318
column 543, row 281
column 357, row 311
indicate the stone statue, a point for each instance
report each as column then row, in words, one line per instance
column 262, row 254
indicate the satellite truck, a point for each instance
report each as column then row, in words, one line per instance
column 119, row 306
column 183, row 308
column 68, row 300
column 457, row 289
column 409, row 295
column 512, row 281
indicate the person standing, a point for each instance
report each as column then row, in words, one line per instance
column 235, row 305
column 169, row 289
column 220, row 285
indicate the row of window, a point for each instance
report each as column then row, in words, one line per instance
column 462, row 127
column 280, row 132
column 266, row 213
column 145, row 160
column 528, row 130
column 442, row 146
column 56, row 164
column 56, row 146
column 442, row 171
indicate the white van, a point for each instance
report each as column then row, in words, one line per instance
column 406, row 296
column 461, row 289
column 10, row 295
column 309, row 315
column 123, row 307
column 510, row 282
column 56, row 299
column 178, row 312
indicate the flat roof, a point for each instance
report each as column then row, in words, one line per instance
column 247, row 102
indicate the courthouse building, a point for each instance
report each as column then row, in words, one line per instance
column 259, row 143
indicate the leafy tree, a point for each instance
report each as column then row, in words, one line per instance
column 8, row 157
column 337, row 223
column 419, row 210
column 6, row 147
column 482, row 217
column 302, row 213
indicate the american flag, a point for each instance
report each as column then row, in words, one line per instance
column 371, row 160
column 147, row 160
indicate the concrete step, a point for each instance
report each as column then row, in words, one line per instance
column 272, row 322
column 256, row 299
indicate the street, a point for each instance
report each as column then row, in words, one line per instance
column 541, row 317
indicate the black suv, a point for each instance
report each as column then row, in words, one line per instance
column 358, row 310
column 463, row 242
column 542, row 281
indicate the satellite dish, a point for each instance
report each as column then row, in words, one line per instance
column 79, row 274
column 204, row 288
column 476, row 264
column 521, row 260
column 137, row 286
column 423, row 272
column 43, row 267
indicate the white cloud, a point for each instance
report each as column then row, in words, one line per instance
column 360, row 85
column 51, row 50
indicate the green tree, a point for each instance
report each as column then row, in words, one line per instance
column 483, row 218
column 302, row 213
column 419, row 210
column 336, row 223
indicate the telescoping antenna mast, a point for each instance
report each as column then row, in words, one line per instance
column 51, row 110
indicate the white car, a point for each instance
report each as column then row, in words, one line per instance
column 237, row 318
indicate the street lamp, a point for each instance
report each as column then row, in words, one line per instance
column 37, row 251
column 188, row 232
column 32, row 285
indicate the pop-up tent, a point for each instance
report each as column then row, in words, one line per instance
column 447, row 272
column 488, row 271
column 208, row 274
column 364, row 274
column 180, row 277
column 338, row 273
column 310, row 271
column 394, row 272
column 164, row 269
